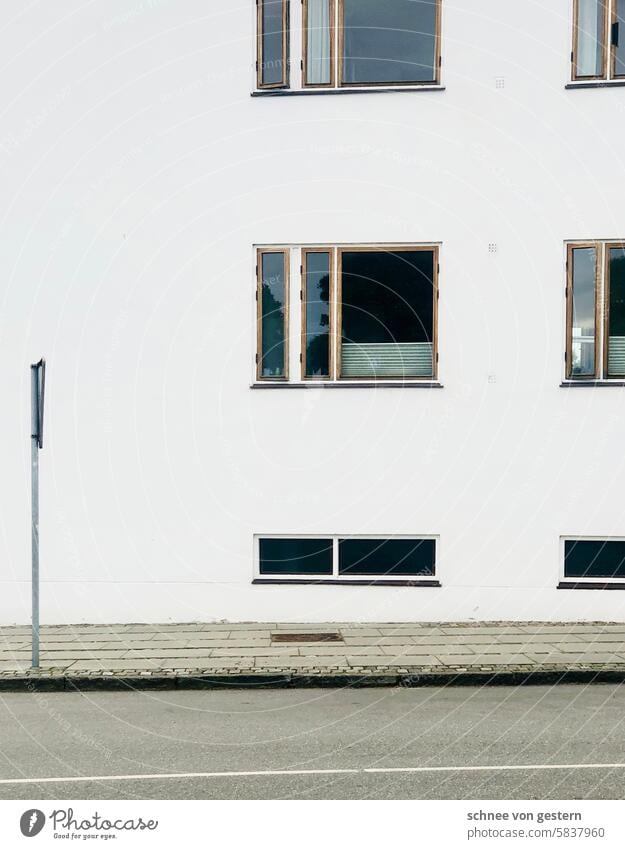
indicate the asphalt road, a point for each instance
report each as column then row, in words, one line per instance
column 321, row 740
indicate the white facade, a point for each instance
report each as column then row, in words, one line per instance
column 139, row 175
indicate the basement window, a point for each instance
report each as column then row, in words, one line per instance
column 595, row 311
column 348, row 559
column 594, row 560
column 362, row 314
column 598, row 40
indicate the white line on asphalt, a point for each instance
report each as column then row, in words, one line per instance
column 267, row 773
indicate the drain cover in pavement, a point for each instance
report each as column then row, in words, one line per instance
column 319, row 637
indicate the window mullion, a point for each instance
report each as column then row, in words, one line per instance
column 335, row 557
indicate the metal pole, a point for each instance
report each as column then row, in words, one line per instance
column 34, row 442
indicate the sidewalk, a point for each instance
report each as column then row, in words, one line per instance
column 272, row 654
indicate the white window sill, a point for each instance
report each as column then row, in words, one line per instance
column 337, row 582
column 295, row 92
column 346, row 384
column 595, row 84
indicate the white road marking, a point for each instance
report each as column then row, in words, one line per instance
column 266, row 773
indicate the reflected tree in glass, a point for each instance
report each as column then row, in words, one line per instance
column 273, row 302
column 317, row 342
column 616, row 312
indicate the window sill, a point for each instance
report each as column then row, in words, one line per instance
column 583, row 585
column 309, row 92
column 340, row 384
column 569, row 384
column 338, row 583
column 596, row 84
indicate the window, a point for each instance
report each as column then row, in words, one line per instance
column 367, row 313
column 272, row 28
column 592, row 560
column 596, row 311
column 350, row 43
column 598, row 40
column 272, row 296
column 392, row 43
column 348, row 559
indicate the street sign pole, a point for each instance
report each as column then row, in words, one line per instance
column 37, row 384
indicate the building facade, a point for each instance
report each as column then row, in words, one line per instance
column 332, row 296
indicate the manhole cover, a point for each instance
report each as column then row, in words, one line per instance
column 319, row 637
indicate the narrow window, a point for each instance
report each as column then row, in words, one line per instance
column 394, row 42
column 387, row 308
column 618, row 38
column 295, row 556
column 272, row 64
column 589, row 39
column 317, row 273
column 594, row 559
column 394, row 557
column 272, row 298
column 582, row 347
column 318, row 42
column 615, row 314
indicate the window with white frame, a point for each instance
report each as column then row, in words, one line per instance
column 595, row 310
column 594, row 560
column 598, row 40
column 348, row 43
column 355, row 313
column 346, row 558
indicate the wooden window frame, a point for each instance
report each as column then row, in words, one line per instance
column 332, row 83
column 613, row 19
column 564, row 578
column 284, row 82
column 571, row 247
column 607, row 246
column 414, row 83
column 608, row 53
column 434, row 249
column 304, row 299
column 286, row 254
column 335, row 577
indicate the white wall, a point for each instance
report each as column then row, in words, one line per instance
column 138, row 172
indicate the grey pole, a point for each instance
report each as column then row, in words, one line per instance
column 34, row 490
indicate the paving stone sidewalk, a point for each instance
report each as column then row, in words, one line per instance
column 253, row 653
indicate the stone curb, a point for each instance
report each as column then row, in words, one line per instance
column 502, row 676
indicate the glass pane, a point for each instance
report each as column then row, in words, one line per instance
column 273, row 62
column 414, row 557
column 318, row 42
column 583, row 318
column 273, row 300
column 387, row 313
column 317, row 340
column 594, row 559
column 616, row 322
column 590, row 37
column 619, row 48
column 295, row 556
column 388, row 42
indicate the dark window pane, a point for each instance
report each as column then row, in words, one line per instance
column 393, row 41
column 594, row 559
column 387, row 314
column 590, row 36
column 295, row 556
column 619, row 49
column 273, row 300
column 414, row 557
column 616, row 322
column 583, row 318
column 273, row 61
column 317, row 340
